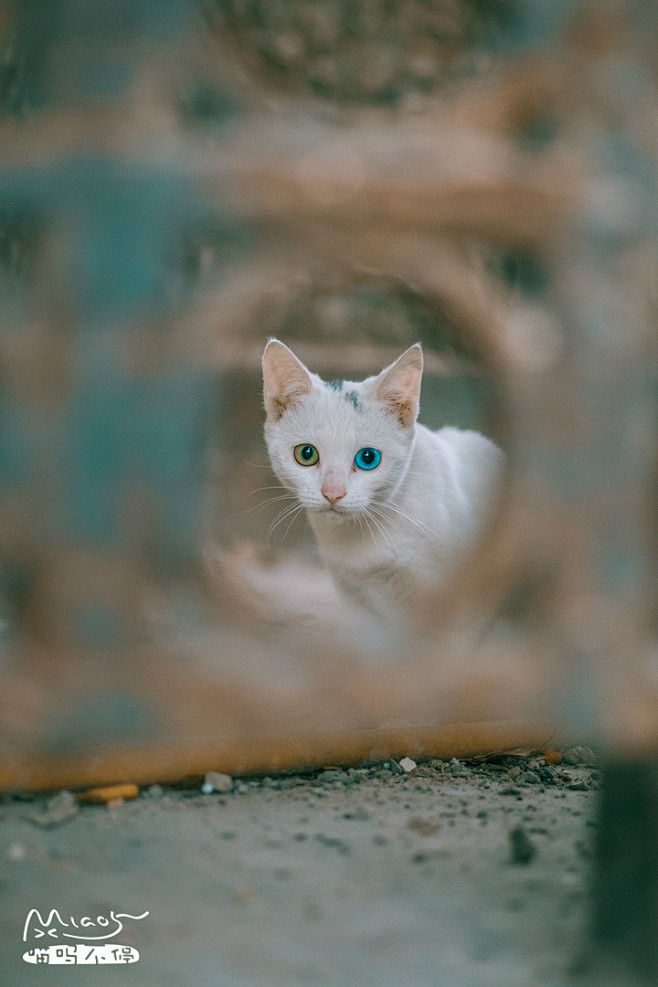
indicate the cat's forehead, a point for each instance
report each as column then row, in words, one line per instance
column 346, row 390
column 338, row 412
column 338, row 402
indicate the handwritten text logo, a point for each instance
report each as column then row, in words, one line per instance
column 91, row 938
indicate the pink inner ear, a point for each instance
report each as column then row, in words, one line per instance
column 285, row 379
column 399, row 392
column 404, row 410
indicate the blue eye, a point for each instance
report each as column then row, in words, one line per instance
column 367, row 459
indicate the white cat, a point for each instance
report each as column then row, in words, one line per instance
column 393, row 505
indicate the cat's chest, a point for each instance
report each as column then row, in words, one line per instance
column 371, row 568
column 360, row 552
column 381, row 587
column 382, row 550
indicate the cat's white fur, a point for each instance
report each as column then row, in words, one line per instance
column 390, row 534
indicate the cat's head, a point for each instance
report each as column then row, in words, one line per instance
column 342, row 447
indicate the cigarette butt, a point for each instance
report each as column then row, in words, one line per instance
column 110, row 793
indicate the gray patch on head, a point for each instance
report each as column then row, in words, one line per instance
column 350, row 396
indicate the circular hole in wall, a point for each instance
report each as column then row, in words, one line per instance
column 341, row 331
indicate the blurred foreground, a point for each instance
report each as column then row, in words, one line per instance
column 180, row 180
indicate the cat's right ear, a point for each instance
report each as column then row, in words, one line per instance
column 398, row 387
column 285, row 379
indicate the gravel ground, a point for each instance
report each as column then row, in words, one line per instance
column 463, row 875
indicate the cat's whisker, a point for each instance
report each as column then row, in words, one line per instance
column 386, row 520
column 379, row 527
column 407, row 517
column 365, row 517
column 281, row 517
column 295, row 515
column 270, row 500
column 261, row 507
column 376, row 509
column 272, row 486
column 412, row 520
column 280, row 496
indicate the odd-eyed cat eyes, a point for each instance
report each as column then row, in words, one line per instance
column 306, row 455
column 365, row 459
column 368, row 458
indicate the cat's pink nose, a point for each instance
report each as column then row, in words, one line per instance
column 333, row 491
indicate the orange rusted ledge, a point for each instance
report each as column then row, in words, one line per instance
column 149, row 765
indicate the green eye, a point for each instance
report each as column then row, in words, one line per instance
column 306, row 455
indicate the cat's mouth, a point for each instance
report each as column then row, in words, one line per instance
column 336, row 511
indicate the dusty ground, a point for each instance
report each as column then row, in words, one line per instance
column 456, row 875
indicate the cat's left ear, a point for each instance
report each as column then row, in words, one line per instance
column 398, row 386
column 285, row 379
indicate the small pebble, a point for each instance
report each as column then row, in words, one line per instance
column 109, row 795
column 359, row 813
column 335, row 842
column 408, row 764
column 530, row 778
column 60, row 809
column 425, row 827
column 581, row 755
column 522, row 848
column 215, row 781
